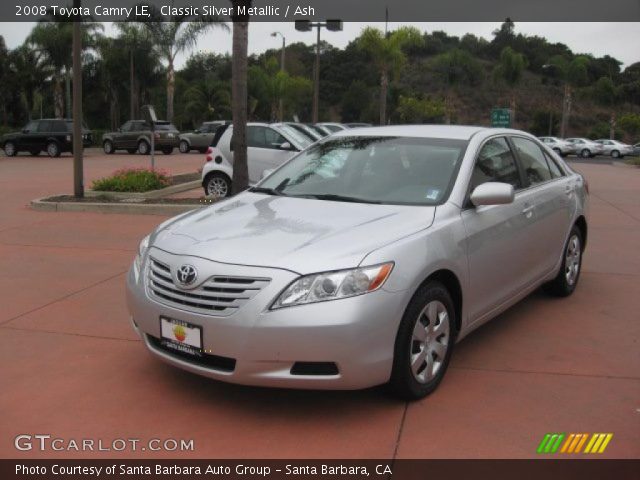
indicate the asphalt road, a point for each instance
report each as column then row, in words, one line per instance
column 73, row 368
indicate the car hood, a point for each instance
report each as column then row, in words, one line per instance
column 296, row 234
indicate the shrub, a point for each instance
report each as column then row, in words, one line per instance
column 133, row 180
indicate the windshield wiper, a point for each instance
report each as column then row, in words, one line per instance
column 268, row 191
column 337, row 198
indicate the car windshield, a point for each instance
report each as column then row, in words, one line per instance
column 298, row 137
column 372, row 169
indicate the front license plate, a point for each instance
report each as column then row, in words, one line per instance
column 181, row 336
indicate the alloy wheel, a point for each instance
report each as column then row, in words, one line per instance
column 217, row 187
column 184, row 147
column 429, row 342
column 9, row 149
column 572, row 260
column 52, row 149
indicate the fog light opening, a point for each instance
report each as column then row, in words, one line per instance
column 315, row 368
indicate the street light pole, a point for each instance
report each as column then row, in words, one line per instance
column 78, row 174
column 306, row 26
column 282, row 68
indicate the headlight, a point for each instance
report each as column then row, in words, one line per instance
column 142, row 248
column 321, row 287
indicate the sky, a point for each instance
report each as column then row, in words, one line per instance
column 619, row 40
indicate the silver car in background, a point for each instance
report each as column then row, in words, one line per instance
column 585, row 148
column 362, row 260
column 614, row 148
column 561, row 147
column 200, row 138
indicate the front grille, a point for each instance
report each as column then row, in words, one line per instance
column 218, row 295
column 224, row 364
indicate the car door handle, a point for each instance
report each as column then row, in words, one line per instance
column 568, row 190
column 527, row 211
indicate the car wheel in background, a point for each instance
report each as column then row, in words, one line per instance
column 10, row 149
column 217, row 185
column 615, row 154
column 558, row 151
column 585, row 153
column 132, row 150
column 53, row 149
column 107, row 146
column 167, row 150
column 34, row 153
column 565, row 282
column 424, row 342
column 143, row 147
column 184, row 146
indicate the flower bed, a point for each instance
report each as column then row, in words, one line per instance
column 133, row 180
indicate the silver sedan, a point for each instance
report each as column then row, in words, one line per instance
column 362, row 260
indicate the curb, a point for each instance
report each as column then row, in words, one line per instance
column 123, row 208
column 165, row 192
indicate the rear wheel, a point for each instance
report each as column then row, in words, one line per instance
column 424, row 342
column 143, row 147
column 615, row 154
column 217, row 185
column 10, row 149
column 184, row 146
column 53, row 149
column 567, row 279
column 585, row 153
column 107, row 146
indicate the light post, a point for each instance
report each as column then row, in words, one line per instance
column 566, row 101
column 284, row 46
column 306, row 26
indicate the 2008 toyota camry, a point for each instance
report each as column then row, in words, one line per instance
column 362, row 260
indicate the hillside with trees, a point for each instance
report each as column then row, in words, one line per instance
column 406, row 76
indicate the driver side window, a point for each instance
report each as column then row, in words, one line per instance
column 495, row 163
column 126, row 127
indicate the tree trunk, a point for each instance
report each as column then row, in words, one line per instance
column 566, row 111
column 171, row 87
column 132, row 88
column 384, row 87
column 67, row 92
column 239, row 99
column 58, row 98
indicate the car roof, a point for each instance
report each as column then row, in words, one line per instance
column 456, row 132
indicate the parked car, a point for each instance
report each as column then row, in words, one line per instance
column 135, row 136
column 268, row 146
column 307, row 130
column 561, row 147
column 615, row 148
column 636, row 149
column 585, row 148
column 50, row 135
column 322, row 130
column 332, row 126
column 366, row 276
column 200, row 138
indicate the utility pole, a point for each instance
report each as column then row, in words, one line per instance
column 282, row 69
column 306, row 26
column 78, row 173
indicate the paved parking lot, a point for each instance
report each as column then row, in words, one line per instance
column 72, row 367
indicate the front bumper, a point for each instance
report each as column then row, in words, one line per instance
column 356, row 334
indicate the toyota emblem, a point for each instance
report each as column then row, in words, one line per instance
column 187, row 275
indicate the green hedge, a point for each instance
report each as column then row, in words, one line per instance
column 133, row 180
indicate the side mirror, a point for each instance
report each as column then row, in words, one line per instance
column 266, row 173
column 197, row 130
column 285, row 146
column 492, row 193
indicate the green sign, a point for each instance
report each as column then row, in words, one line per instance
column 501, row 118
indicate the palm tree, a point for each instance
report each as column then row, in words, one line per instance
column 136, row 41
column 387, row 53
column 175, row 35
column 29, row 74
column 52, row 36
column 239, row 96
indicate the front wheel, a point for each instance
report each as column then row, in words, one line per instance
column 107, row 146
column 424, row 342
column 143, row 147
column 567, row 279
column 217, row 185
column 586, row 153
column 53, row 149
column 615, row 154
column 184, row 146
column 10, row 149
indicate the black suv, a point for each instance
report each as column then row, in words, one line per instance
column 48, row 134
column 135, row 136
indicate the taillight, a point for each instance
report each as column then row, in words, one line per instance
column 209, row 154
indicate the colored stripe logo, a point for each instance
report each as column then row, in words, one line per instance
column 574, row 443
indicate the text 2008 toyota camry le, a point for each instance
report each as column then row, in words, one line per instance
column 362, row 260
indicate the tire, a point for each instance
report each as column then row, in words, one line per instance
column 10, row 149
column 558, row 151
column 108, row 148
column 217, row 184
column 567, row 279
column 143, row 147
column 132, row 150
column 53, row 149
column 586, row 153
column 184, row 147
column 616, row 154
column 412, row 376
column 34, row 153
column 167, row 150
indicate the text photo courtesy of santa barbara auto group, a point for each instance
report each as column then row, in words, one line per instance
column 353, row 239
